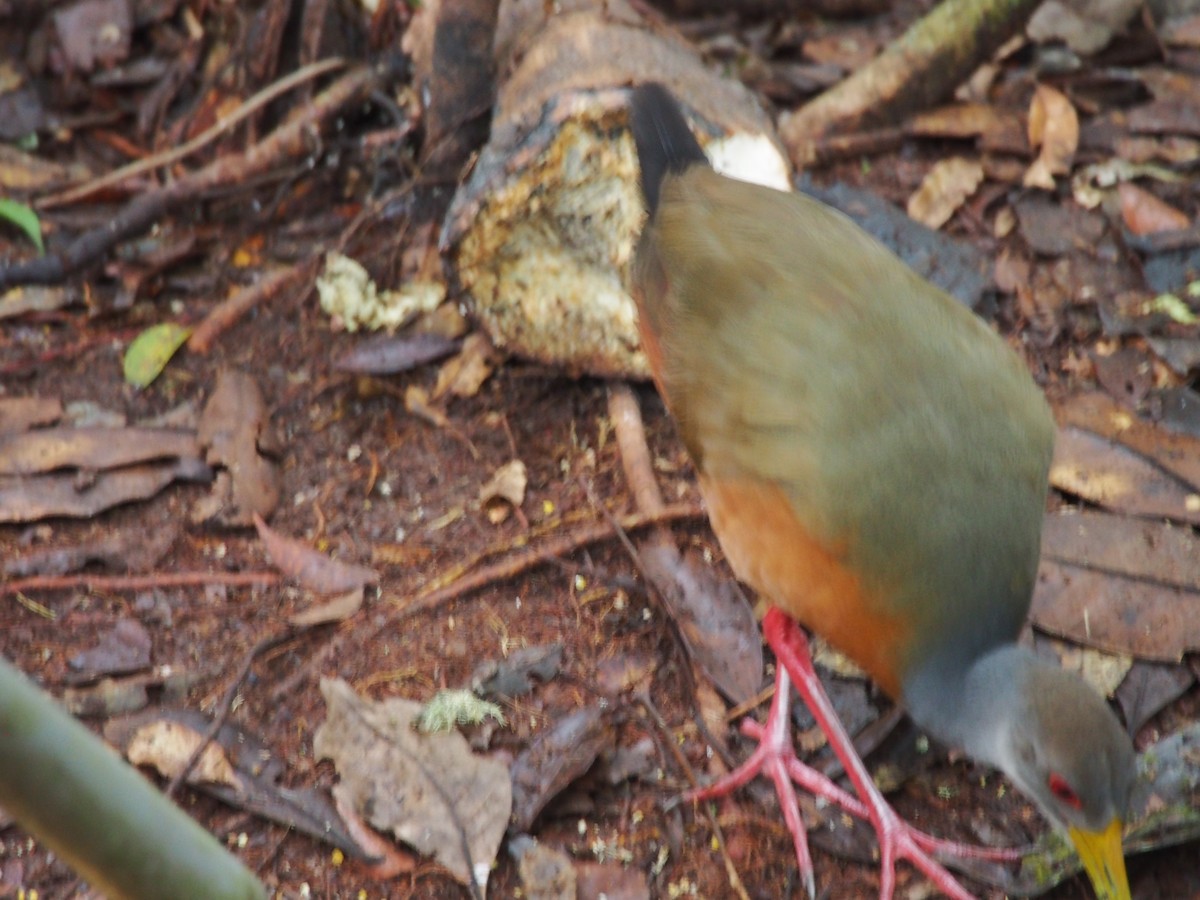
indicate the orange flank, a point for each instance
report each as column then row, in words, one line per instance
column 775, row 554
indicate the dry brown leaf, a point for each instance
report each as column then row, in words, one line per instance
column 23, row 413
column 555, row 759
column 339, row 609
column 464, row 374
column 416, row 401
column 1054, row 127
column 713, row 617
column 1121, row 584
column 167, row 746
column 1103, row 671
column 119, row 650
column 234, row 428
column 546, row 873
column 958, row 120
column 73, row 494
column 1174, row 452
column 93, row 449
column 943, row 190
column 429, row 790
column 1117, row 478
column 504, row 491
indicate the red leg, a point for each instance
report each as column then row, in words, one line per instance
column 775, row 758
column 897, row 839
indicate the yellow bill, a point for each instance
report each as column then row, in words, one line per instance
column 1103, row 859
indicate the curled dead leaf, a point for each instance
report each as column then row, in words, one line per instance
column 464, row 374
column 167, row 746
column 504, row 491
column 944, row 189
column 1053, row 127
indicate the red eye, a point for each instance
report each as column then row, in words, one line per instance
column 1062, row 791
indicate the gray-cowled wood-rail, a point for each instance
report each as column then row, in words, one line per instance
column 874, row 461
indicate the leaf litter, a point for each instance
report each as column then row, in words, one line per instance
column 428, row 790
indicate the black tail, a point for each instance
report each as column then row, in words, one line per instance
column 664, row 141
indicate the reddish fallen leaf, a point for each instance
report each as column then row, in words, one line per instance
column 390, row 859
column 610, row 881
column 312, row 569
column 1145, row 213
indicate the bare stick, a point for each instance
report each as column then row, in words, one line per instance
column 630, row 432
column 920, row 68
column 288, row 140
column 210, row 134
column 525, row 560
column 135, row 582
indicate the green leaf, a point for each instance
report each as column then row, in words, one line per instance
column 1172, row 306
column 151, row 350
column 24, row 218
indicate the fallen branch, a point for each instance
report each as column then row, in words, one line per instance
column 289, row 140
column 222, row 317
column 167, row 157
column 104, row 583
column 920, row 68
column 533, row 557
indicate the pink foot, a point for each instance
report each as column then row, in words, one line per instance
column 775, row 757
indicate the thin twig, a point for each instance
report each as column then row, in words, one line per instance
column 91, row 582
column 166, row 157
column 688, row 671
column 292, row 138
column 731, row 872
column 222, row 316
column 225, row 706
column 533, row 557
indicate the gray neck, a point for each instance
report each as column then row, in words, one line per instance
column 973, row 709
